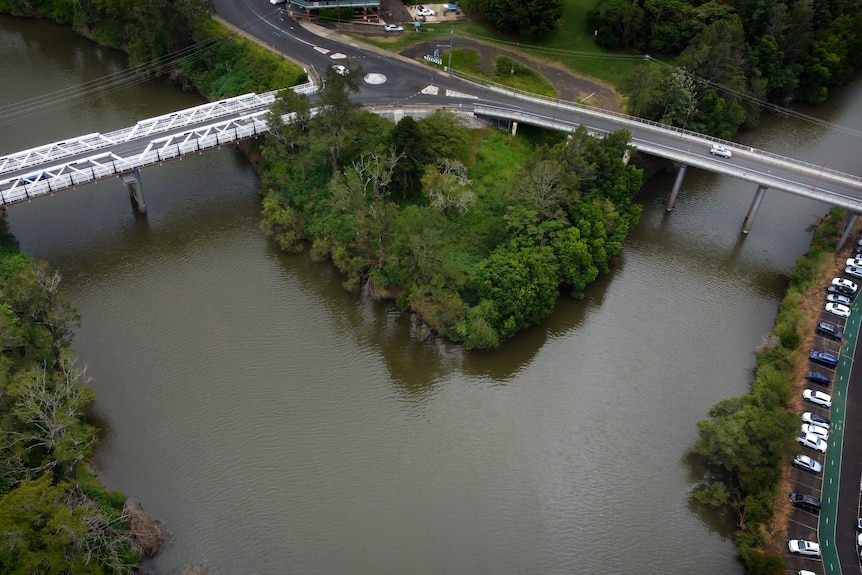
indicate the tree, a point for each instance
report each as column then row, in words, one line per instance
column 521, row 284
column 447, row 187
column 336, row 112
column 528, row 17
column 40, row 533
column 409, row 144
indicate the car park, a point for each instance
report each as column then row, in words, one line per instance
column 848, row 286
column 816, row 419
column 855, row 271
column 811, row 441
column 838, row 309
column 820, row 432
column 804, row 547
column 807, row 463
column 823, row 358
column 838, row 298
column 817, row 397
column 393, row 28
column 805, row 501
column 819, row 378
column 829, row 330
column 719, row 150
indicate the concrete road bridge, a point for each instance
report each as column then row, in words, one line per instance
column 407, row 88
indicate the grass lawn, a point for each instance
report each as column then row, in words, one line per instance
column 571, row 44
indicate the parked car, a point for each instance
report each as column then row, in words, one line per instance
column 719, row 150
column 823, row 358
column 804, row 547
column 840, row 291
column 829, row 330
column 846, row 284
column 819, row 378
column 859, row 523
column 838, row 309
column 393, row 28
column 811, row 441
column 854, row 261
column 820, row 432
column 817, row 397
column 807, row 463
column 855, row 271
column 425, row 11
column 816, row 419
column 805, row 501
column 838, row 298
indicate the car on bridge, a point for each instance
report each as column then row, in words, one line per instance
column 804, row 547
column 829, row 331
column 845, row 286
column 823, row 358
column 817, row 397
column 816, row 419
column 719, row 150
column 807, row 463
column 838, row 309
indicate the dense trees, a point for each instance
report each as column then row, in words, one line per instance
column 745, row 442
column 528, row 17
column 478, row 252
column 50, row 520
column 737, row 50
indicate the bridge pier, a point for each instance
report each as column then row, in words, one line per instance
column 849, row 224
column 136, row 190
column 680, row 174
column 752, row 210
column 514, row 127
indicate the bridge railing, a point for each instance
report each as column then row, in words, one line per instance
column 103, row 166
column 160, row 124
column 641, row 122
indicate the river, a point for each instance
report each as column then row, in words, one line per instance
column 277, row 424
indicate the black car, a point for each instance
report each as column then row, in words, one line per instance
column 840, row 290
column 805, row 501
column 829, row 330
column 818, row 378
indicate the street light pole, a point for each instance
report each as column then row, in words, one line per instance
column 451, row 40
column 512, row 70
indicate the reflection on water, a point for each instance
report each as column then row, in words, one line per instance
column 277, row 423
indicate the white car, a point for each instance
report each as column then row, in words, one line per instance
column 811, row 441
column 845, row 283
column 855, row 271
column 857, row 261
column 807, row 463
column 340, row 70
column 820, row 432
column 838, row 309
column 719, row 150
column 804, row 547
column 425, row 11
column 816, row 420
column 817, row 397
column 838, row 298
column 393, row 28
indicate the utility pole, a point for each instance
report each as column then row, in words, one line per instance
column 451, row 41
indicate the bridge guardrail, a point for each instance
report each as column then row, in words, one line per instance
column 633, row 120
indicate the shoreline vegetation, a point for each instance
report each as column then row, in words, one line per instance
column 530, row 239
